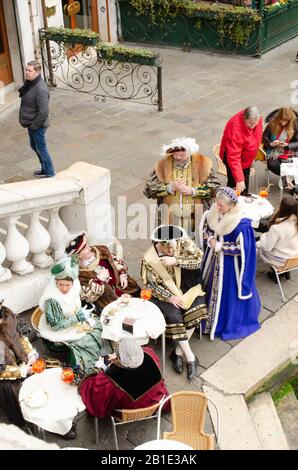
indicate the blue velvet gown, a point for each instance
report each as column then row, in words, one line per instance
column 229, row 280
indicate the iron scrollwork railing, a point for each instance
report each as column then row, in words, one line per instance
column 83, row 69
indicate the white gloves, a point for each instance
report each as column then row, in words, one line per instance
column 100, row 363
column 87, row 316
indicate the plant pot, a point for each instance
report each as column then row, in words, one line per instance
column 67, row 39
column 129, row 58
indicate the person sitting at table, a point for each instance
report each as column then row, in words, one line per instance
column 16, row 358
column 63, row 317
column 103, row 276
column 280, row 140
column 132, row 380
column 171, row 269
column 229, row 269
column 281, row 241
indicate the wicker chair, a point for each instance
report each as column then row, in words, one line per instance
column 188, row 416
column 290, row 265
column 221, row 167
column 128, row 416
column 52, row 346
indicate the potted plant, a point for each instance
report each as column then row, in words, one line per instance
column 128, row 54
column 85, row 37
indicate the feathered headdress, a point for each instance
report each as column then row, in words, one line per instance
column 181, row 143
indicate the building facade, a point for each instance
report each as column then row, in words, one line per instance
column 20, row 21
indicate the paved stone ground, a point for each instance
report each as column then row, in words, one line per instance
column 201, row 92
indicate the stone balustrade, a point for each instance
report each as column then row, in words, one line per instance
column 38, row 218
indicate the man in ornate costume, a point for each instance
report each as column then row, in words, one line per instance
column 229, row 269
column 16, row 358
column 103, row 276
column 171, row 268
column 132, row 380
column 184, row 181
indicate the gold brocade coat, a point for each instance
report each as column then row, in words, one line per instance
column 198, row 174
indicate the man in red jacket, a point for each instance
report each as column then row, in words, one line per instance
column 239, row 145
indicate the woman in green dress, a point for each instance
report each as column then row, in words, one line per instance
column 64, row 320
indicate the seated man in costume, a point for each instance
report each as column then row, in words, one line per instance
column 132, row 380
column 16, row 358
column 63, row 317
column 103, row 277
column 184, row 181
column 171, row 268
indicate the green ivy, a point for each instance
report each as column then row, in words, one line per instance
column 67, row 32
column 236, row 23
column 130, row 53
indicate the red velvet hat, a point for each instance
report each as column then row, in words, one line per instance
column 77, row 245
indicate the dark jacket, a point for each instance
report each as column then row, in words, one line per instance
column 34, row 109
column 269, row 137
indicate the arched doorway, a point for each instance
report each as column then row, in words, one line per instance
column 6, row 76
column 80, row 14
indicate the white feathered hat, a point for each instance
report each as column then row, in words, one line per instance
column 187, row 143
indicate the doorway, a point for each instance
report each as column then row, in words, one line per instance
column 82, row 14
column 6, row 76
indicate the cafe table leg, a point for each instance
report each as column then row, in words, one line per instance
column 163, row 352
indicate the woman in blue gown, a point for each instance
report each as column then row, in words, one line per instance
column 229, row 269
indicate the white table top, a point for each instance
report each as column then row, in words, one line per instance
column 150, row 322
column 255, row 209
column 290, row 169
column 63, row 403
column 163, row 444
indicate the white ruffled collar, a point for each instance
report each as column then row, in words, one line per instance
column 226, row 223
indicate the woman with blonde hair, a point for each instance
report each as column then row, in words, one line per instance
column 280, row 139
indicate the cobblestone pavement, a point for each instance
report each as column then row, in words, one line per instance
column 201, row 91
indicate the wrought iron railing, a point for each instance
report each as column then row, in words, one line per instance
column 83, row 69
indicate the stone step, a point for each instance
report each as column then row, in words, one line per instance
column 287, row 410
column 267, row 423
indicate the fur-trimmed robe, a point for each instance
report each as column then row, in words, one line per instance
column 229, row 274
column 204, row 181
column 103, row 294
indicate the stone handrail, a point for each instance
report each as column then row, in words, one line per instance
column 38, row 218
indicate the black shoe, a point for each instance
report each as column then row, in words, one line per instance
column 272, row 276
column 177, row 362
column 71, row 434
column 192, row 368
column 39, row 174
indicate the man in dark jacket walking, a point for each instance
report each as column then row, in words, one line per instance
column 34, row 113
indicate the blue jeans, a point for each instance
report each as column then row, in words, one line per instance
column 39, row 145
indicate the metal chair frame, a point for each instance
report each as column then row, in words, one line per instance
column 126, row 416
column 286, row 268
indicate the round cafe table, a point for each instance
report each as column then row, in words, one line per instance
column 255, row 208
column 149, row 322
column 63, row 402
column 159, row 444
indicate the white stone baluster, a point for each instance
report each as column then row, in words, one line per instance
column 17, row 248
column 39, row 241
column 59, row 233
column 5, row 273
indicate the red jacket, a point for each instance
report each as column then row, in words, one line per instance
column 240, row 144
